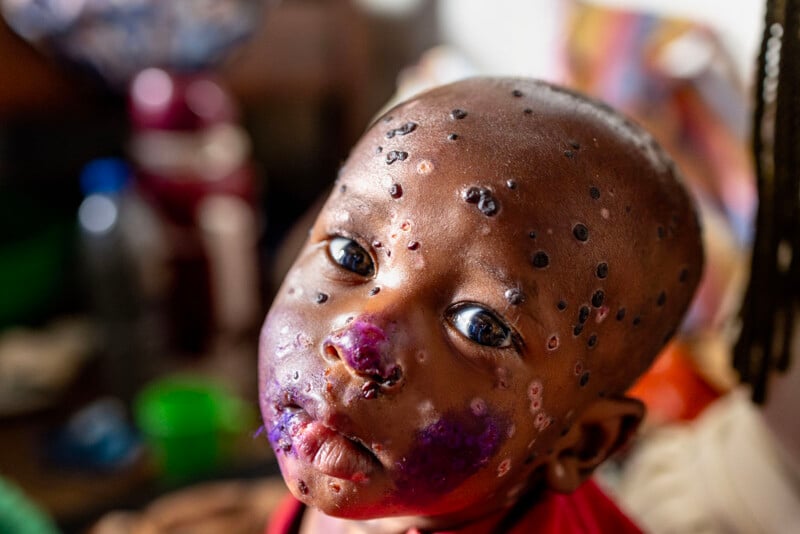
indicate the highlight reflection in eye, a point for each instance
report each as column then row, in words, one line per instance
column 480, row 326
column 351, row 256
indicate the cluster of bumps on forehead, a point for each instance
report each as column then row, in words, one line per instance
column 611, row 237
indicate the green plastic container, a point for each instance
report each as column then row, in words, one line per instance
column 191, row 424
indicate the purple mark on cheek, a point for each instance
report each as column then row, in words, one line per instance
column 449, row 451
column 364, row 347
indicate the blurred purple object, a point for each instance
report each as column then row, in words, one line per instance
column 118, row 38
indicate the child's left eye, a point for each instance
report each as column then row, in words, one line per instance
column 481, row 326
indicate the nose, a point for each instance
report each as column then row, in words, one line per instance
column 365, row 348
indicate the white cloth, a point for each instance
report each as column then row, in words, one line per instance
column 724, row 473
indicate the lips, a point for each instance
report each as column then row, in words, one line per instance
column 297, row 434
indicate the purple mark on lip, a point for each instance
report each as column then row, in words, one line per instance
column 364, row 347
column 449, row 451
column 280, row 432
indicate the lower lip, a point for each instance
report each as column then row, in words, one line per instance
column 327, row 450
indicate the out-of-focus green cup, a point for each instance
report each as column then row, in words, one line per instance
column 190, row 424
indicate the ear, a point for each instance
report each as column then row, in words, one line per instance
column 599, row 431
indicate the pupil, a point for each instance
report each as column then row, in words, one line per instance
column 483, row 331
column 352, row 257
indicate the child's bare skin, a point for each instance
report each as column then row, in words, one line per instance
column 498, row 262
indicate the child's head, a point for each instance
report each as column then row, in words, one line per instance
column 498, row 261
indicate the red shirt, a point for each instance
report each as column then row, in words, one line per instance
column 585, row 511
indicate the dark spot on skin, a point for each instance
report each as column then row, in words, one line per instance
column 602, row 270
column 584, row 379
column 592, row 341
column 407, row 128
column 662, row 298
column 683, row 275
column 601, row 394
column 660, row 231
column 302, row 487
column 342, row 188
column 395, row 155
column 541, row 259
column 580, row 232
column 374, row 291
column 321, row 298
column 574, row 144
column 637, row 320
column 449, row 451
column 516, row 92
column 413, row 245
column 532, row 234
column 627, row 209
column 377, row 244
column 552, row 342
column 620, row 314
column 597, row 298
column 296, row 375
column 562, row 305
column 511, row 184
column 378, row 150
column 576, row 331
column 370, row 390
column 487, row 205
column 569, row 153
column 472, row 195
column 564, row 431
column 336, row 488
column 388, row 118
column 348, row 320
column 531, row 458
column 583, row 314
column 514, row 296
column 452, row 137
column 527, row 111
column 388, row 253
column 458, row 114
column 594, row 192
column 396, row 191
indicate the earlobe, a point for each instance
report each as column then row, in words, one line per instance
column 599, row 431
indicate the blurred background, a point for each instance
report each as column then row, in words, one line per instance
column 156, row 161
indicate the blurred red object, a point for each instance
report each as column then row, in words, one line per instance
column 672, row 389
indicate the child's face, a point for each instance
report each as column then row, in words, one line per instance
column 494, row 258
column 406, row 365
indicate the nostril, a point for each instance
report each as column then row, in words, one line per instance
column 330, row 352
column 395, row 375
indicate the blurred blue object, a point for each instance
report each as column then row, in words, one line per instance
column 99, row 437
column 105, row 175
column 117, row 39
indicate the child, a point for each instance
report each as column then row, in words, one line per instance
column 499, row 260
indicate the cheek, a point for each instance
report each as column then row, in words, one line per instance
column 450, row 450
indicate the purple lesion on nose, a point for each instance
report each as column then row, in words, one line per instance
column 364, row 347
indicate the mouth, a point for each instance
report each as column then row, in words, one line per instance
column 297, row 435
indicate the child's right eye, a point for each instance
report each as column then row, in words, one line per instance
column 351, row 256
column 480, row 326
